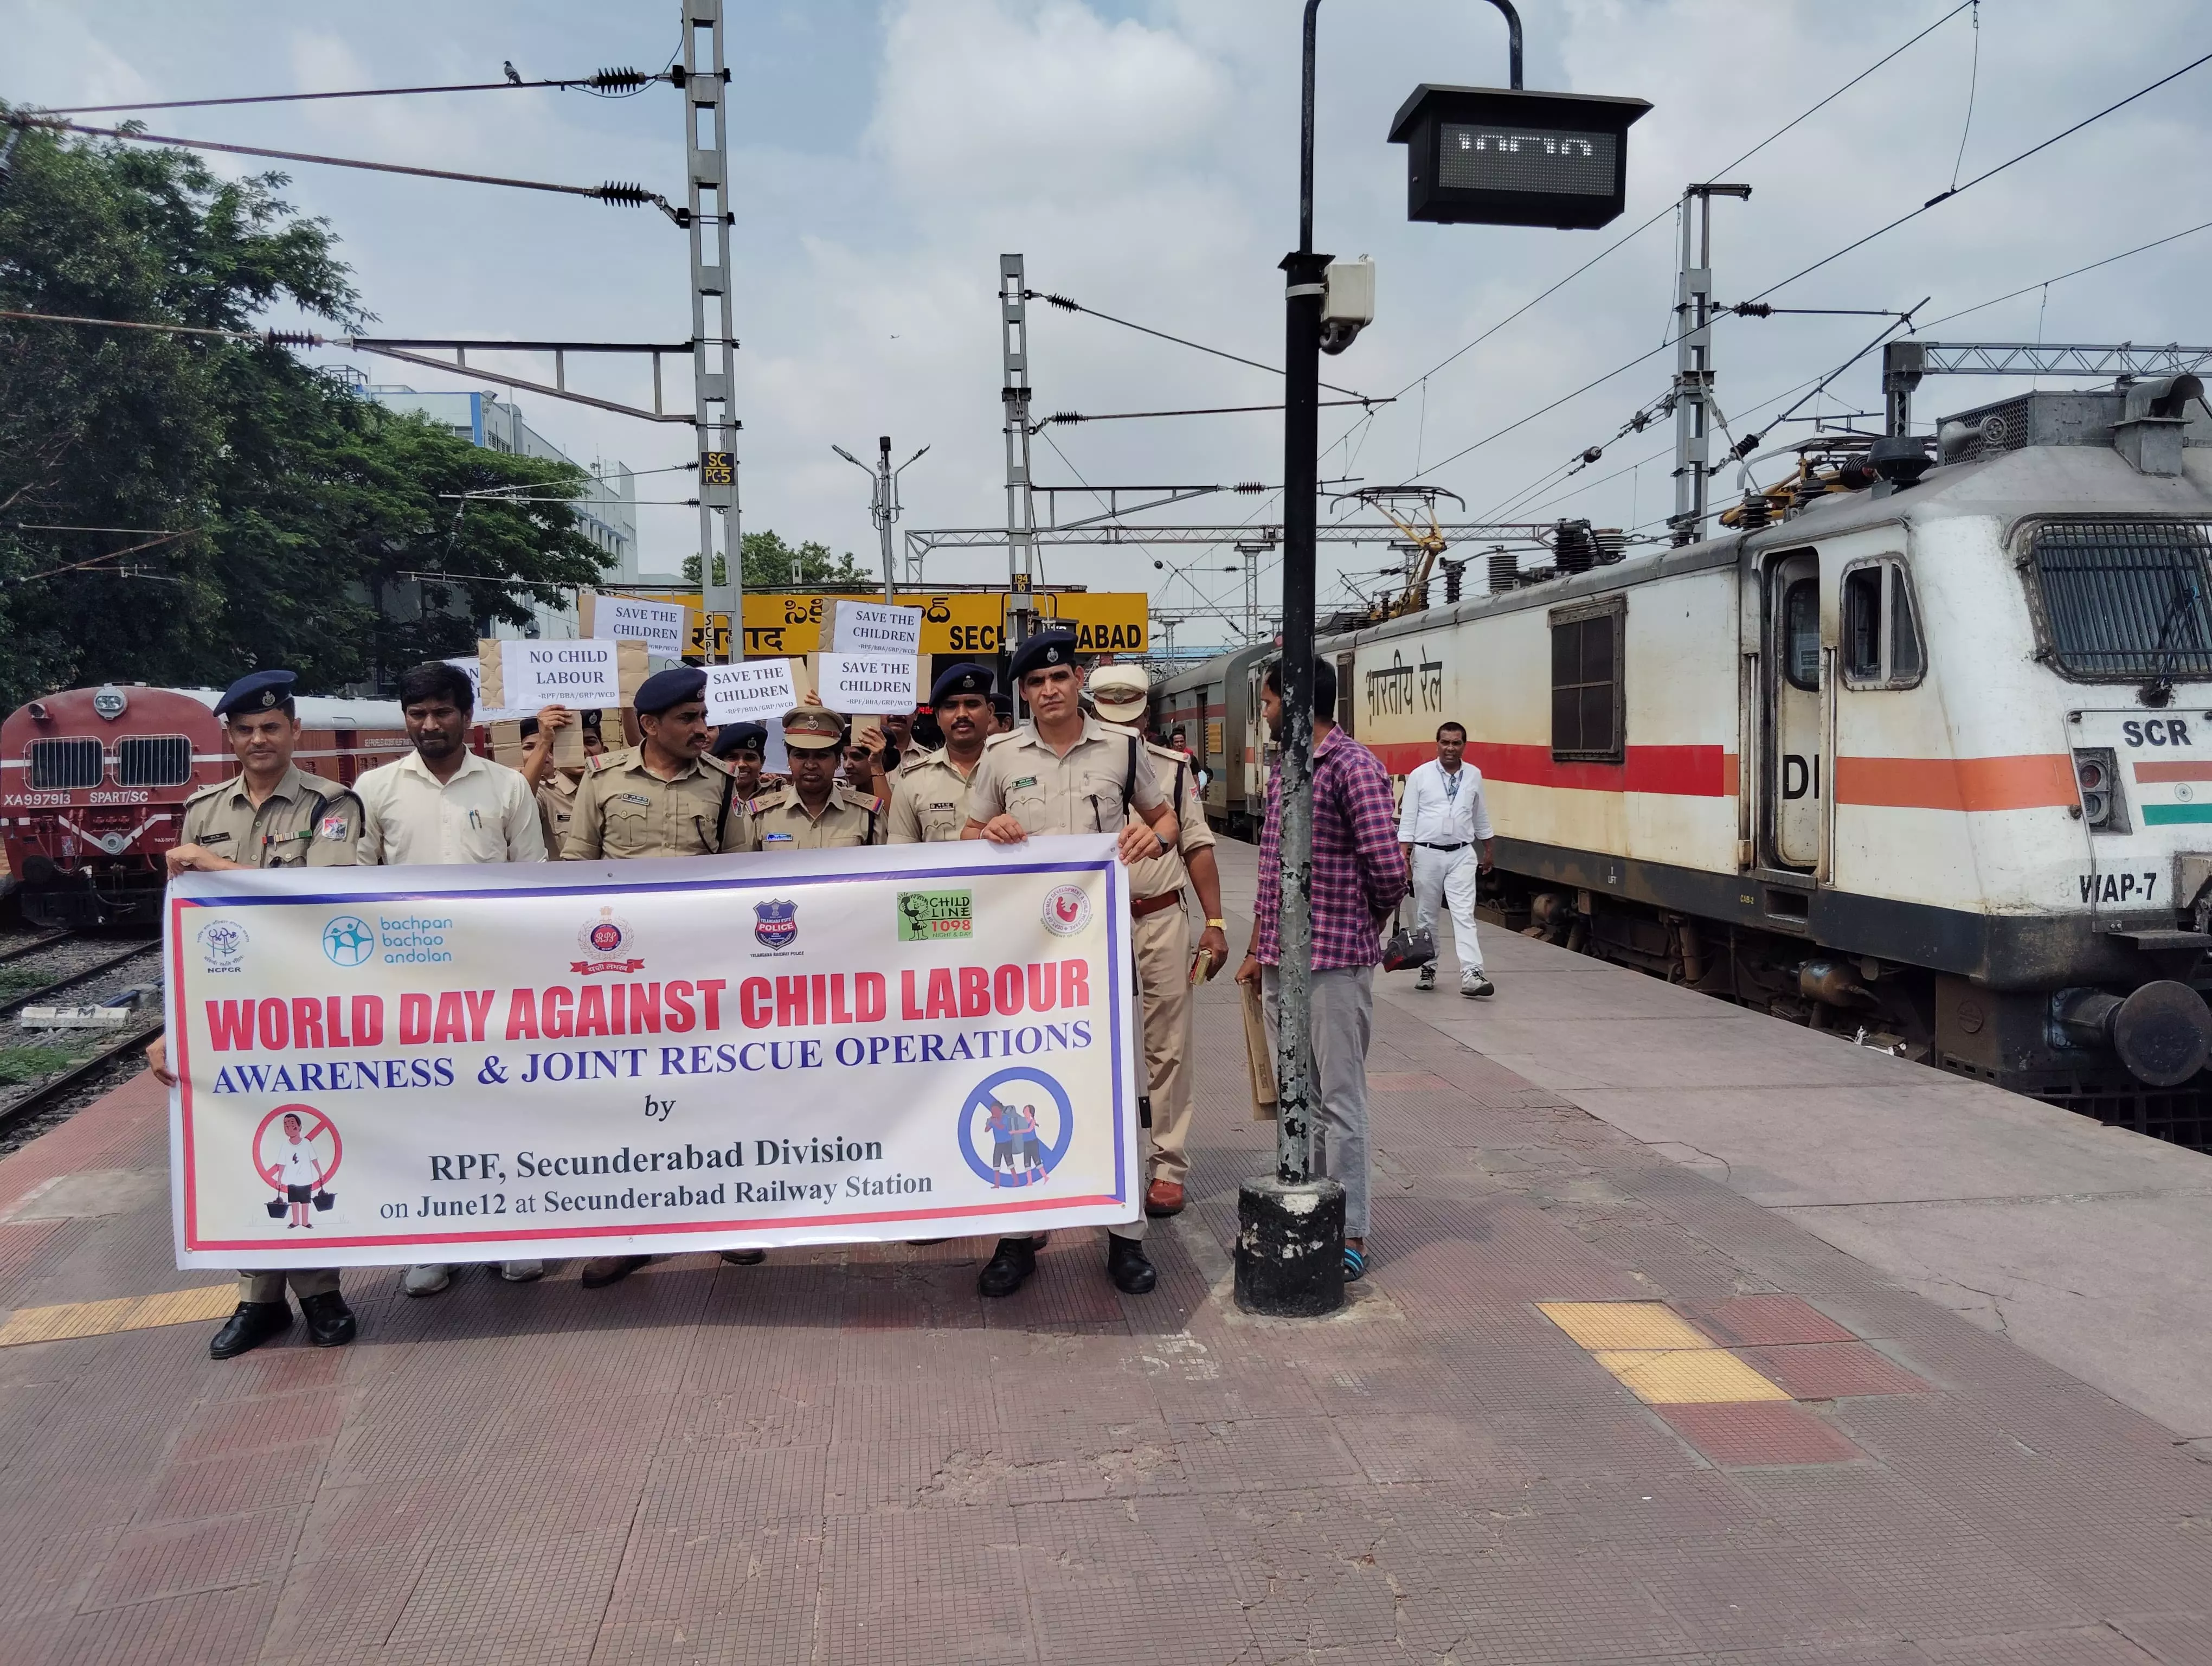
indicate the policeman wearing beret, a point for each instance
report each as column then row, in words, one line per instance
column 666, row 796
column 1068, row 772
column 814, row 811
column 269, row 815
column 743, row 747
column 1002, row 709
column 929, row 799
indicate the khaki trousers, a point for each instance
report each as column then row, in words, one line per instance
column 305, row 1281
column 1164, row 951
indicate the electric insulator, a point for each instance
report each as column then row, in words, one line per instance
column 624, row 194
column 1573, row 549
column 1505, row 570
column 290, row 338
column 1250, row 488
column 622, row 80
column 1593, row 454
column 1754, row 513
column 1452, row 571
column 1064, row 417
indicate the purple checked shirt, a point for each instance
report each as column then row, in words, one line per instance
column 1358, row 870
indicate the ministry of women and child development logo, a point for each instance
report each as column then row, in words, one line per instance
column 1024, row 1118
column 1066, row 910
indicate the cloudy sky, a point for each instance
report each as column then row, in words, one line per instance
column 1142, row 156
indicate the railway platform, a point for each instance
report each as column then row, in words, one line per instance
column 1692, row 1337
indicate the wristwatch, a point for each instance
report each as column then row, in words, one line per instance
column 1218, row 925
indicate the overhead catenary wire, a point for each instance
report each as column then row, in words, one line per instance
column 1067, row 304
column 616, row 193
column 621, row 81
column 2044, row 283
column 1988, row 173
column 1068, row 418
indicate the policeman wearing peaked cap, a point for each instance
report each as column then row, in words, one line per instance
column 929, row 800
column 814, row 811
column 666, row 796
column 269, row 815
column 1068, row 772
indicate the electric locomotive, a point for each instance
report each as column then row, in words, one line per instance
column 93, row 785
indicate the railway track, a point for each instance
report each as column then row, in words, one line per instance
column 107, row 963
column 43, row 1094
column 68, row 962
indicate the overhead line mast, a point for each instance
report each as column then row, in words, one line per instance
column 705, row 85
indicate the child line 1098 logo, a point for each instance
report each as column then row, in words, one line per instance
column 924, row 917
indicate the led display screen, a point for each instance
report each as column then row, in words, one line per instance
column 1474, row 156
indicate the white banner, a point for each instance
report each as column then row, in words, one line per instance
column 472, row 668
column 659, row 625
column 752, row 691
column 385, row 1065
column 875, row 628
column 859, row 682
column 576, row 673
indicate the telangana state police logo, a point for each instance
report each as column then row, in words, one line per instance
column 1066, row 910
column 223, row 943
column 775, row 924
column 348, row 941
column 1023, row 1119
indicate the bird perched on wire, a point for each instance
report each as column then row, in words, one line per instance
column 512, row 74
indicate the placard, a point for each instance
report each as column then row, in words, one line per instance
column 752, row 691
column 661, row 626
column 584, row 671
column 872, row 628
column 473, row 670
column 388, row 1065
column 853, row 683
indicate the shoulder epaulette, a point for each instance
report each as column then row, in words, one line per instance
column 920, row 760
column 607, row 760
column 770, row 799
column 1165, row 754
column 860, row 801
column 216, row 787
column 719, row 765
column 1006, row 735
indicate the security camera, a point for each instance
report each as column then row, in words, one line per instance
column 1348, row 305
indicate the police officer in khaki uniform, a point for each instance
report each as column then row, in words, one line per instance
column 1160, row 932
column 743, row 747
column 929, row 800
column 1066, row 772
column 554, row 785
column 272, row 815
column 814, row 811
column 664, row 796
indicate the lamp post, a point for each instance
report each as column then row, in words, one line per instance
column 883, row 504
column 1474, row 155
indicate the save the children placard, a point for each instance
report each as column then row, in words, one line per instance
column 394, row 1065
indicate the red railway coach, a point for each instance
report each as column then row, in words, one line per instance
column 93, row 785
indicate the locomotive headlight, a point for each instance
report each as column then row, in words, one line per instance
column 2095, row 772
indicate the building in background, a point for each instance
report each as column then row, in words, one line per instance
column 607, row 513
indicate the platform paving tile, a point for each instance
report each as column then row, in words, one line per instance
column 844, row 1454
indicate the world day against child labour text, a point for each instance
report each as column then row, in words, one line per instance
column 384, row 1066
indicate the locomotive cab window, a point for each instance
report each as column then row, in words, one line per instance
column 1881, row 647
column 1588, row 681
column 1800, row 634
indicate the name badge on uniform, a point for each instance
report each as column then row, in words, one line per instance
column 333, row 827
column 634, row 798
column 1026, row 780
column 215, row 838
column 779, row 838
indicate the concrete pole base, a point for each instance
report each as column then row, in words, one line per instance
column 1290, row 1247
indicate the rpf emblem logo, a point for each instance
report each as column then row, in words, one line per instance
column 223, row 943
column 606, row 937
column 775, row 924
column 348, row 941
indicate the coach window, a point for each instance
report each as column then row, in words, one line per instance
column 1800, row 634
column 1587, row 679
column 1881, row 630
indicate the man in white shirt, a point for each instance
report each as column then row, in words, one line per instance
column 444, row 804
column 1441, row 823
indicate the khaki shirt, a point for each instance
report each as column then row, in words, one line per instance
column 556, row 808
column 307, row 822
column 624, row 810
column 1088, row 791
column 1158, row 875
column 778, row 821
column 929, row 800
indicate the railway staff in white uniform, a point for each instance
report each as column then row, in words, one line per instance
column 1442, row 825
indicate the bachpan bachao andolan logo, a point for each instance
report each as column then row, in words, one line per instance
column 348, row 941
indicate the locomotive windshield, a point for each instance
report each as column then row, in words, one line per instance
column 2126, row 599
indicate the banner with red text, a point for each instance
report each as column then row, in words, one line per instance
column 384, row 1066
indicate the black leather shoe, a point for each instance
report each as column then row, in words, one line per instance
column 1009, row 1269
column 744, row 1257
column 1126, row 1265
column 603, row 1270
column 254, row 1323
column 331, row 1323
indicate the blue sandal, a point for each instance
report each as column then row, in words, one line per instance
column 1355, row 1265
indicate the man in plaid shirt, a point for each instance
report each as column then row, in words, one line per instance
column 1359, row 874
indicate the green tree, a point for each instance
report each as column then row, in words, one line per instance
column 282, row 513
column 772, row 564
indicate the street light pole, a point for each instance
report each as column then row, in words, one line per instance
column 1290, row 1242
column 884, row 500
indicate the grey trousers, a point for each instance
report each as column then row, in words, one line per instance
column 270, row 1287
column 1343, row 1019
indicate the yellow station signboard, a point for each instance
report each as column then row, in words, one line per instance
column 952, row 621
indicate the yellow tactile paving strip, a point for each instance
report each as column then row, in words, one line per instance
column 1659, row 1355
column 72, row 1319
